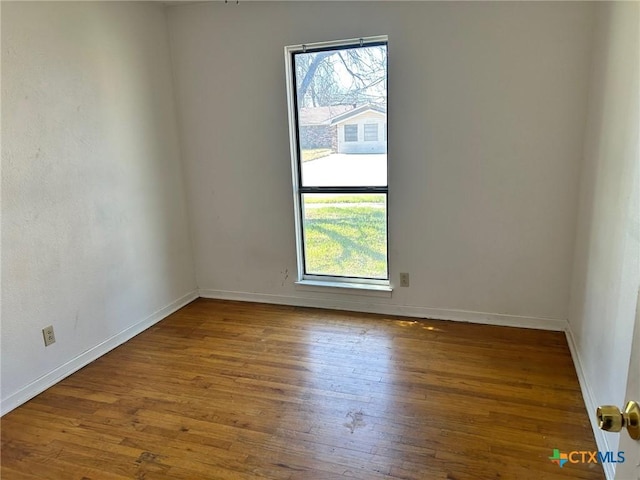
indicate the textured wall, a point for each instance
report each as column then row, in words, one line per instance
column 487, row 104
column 607, row 255
column 94, row 225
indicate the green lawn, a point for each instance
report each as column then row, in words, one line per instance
column 347, row 240
column 367, row 198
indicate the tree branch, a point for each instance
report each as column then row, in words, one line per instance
column 306, row 81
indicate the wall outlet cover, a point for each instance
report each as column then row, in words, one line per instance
column 49, row 336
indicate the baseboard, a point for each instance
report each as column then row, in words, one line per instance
column 370, row 305
column 590, row 402
column 41, row 384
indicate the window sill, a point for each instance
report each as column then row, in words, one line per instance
column 366, row 289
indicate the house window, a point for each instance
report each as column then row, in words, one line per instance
column 351, row 133
column 370, row 132
column 340, row 189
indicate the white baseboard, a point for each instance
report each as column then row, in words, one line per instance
column 41, row 384
column 370, row 305
column 590, row 402
column 364, row 304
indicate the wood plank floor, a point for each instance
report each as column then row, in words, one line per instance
column 230, row 390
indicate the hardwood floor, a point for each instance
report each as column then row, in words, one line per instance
column 230, row 390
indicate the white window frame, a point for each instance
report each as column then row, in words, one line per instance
column 375, row 286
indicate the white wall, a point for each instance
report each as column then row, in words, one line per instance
column 94, row 222
column 487, row 103
column 606, row 273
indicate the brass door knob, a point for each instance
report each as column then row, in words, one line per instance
column 611, row 419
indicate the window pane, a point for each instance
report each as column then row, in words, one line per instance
column 370, row 132
column 341, row 98
column 351, row 133
column 345, row 235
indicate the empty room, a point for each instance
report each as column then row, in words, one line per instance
column 320, row 240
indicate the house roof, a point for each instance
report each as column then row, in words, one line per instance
column 357, row 111
column 330, row 115
column 321, row 115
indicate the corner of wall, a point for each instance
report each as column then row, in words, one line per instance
column 180, row 134
column 590, row 403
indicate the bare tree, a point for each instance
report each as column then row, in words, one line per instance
column 348, row 76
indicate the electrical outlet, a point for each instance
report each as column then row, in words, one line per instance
column 49, row 336
column 404, row 279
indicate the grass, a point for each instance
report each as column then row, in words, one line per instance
column 313, row 153
column 328, row 199
column 346, row 240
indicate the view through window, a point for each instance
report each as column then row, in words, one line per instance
column 339, row 118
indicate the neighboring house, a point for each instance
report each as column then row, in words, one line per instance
column 316, row 130
column 362, row 130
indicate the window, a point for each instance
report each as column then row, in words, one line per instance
column 370, row 132
column 340, row 179
column 351, row 133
